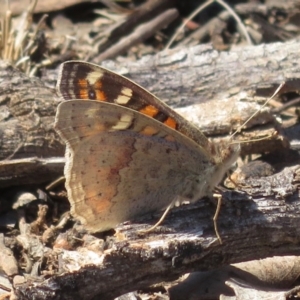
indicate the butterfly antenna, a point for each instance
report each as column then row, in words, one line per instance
column 255, row 113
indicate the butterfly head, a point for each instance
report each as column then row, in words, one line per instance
column 225, row 154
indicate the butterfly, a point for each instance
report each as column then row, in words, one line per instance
column 127, row 152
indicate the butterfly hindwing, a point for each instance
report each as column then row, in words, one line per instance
column 121, row 165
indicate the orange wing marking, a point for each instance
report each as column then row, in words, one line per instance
column 149, row 111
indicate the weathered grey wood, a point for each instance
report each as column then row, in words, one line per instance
column 261, row 222
column 199, row 74
column 27, row 113
column 194, row 75
column 27, row 110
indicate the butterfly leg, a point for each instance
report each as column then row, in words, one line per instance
column 231, row 180
column 215, row 218
column 55, row 183
column 159, row 221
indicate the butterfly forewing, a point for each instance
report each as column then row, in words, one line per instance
column 81, row 80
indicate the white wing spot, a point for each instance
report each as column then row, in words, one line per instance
column 124, row 122
column 93, row 77
column 124, row 97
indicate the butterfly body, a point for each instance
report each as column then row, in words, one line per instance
column 122, row 160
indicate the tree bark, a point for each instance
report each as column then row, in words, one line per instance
column 188, row 76
column 259, row 220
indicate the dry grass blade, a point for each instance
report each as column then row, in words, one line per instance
column 201, row 8
column 18, row 40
